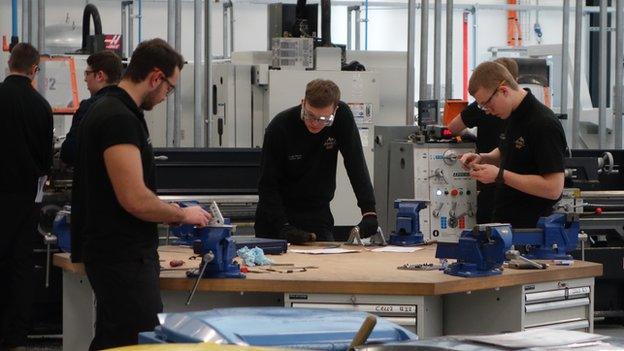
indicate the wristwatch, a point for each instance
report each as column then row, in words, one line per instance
column 499, row 176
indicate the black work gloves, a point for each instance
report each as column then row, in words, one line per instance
column 368, row 225
column 295, row 235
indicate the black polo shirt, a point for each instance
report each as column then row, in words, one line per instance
column 101, row 228
column 490, row 127
column 534, row 143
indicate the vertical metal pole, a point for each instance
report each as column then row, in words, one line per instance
column 358, row 22
column 198, row 120
column 207, row 71
column 437, row 49
column 565, row 56
column 170, row 99
column 130, row 13
column 177, row 94
column 231, row 27
column 602, row 77
column 41, row 27
column 225, row 40
column 349, row 24
column 578, row 55
column 30, row 21
column 25, row 28
column 475, row 36
column 448, row 74
column 124, row 30
column 411, row 58
column 619, row 61
column 424, row 48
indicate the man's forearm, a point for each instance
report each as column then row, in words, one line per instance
column 492, row 157
column 536, row 185
column 148, row 207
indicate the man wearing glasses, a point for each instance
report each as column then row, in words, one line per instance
column 116, row 209
column 528, row 164
column 489, row 128
column 103, row 72
column 26, row 124
column 298, row 168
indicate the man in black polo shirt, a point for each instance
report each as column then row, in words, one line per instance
column 528, row 164
column 489, row 129
column 103, row 72
column 298, row 168
column 117, row 210
column 26, row 125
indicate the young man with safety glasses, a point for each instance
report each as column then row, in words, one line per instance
column 527, row 167
column 298, row 168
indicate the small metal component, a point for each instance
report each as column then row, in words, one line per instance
column 515, row 255
column 421, row 267
column 355, row 238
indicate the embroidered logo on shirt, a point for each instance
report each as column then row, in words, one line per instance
column 294, row 157
column 519, row 143
column 329, row 143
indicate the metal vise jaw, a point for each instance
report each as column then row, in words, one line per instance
column 479, row 253
column 408, row 223
column 554, row 237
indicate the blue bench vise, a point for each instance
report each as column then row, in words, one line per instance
column 407, row 231
column 554, row 237
column 479, row 252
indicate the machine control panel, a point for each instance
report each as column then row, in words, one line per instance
column 451, row 193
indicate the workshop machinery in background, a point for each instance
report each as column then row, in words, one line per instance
column 422, row 163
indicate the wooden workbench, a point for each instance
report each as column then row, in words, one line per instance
column 430, row 303
column 365, row 272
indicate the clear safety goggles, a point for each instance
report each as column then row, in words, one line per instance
column 318, row 120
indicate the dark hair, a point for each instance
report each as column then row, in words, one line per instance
column 510, row 64
column 107, row 62
column 23, row 57
column 322, row 93
column 151, row 54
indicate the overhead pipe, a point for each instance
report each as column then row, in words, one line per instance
column 366, row 4
column 358, row 28
column 602, row 78
column 207, row 73
column 437, row 49
column 424, row 48
column 198, row 120
column 170, row 116
column 448, row 74
column 578, row 55
column 90, row 11
column 565, row 56
column 411, row 58
column 177, row 94
column 619, row 61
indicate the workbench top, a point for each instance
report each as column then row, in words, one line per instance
column 363, row 272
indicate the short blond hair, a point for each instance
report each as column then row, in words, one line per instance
column 322, row 93
column 489, row 75
column 510, row 64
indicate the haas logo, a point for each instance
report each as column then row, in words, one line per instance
column 112, row 41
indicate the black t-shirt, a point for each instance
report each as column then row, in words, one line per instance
column 26, row 125
column 534, row 143
column 101, row 229
column 298, row 170
column 490, row 127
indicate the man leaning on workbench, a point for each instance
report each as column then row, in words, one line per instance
column 298, row 168
column 117, row 210
column 528, row 164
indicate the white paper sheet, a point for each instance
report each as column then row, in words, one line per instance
column 536, row 338
column 322, row 251
column 398, row 249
